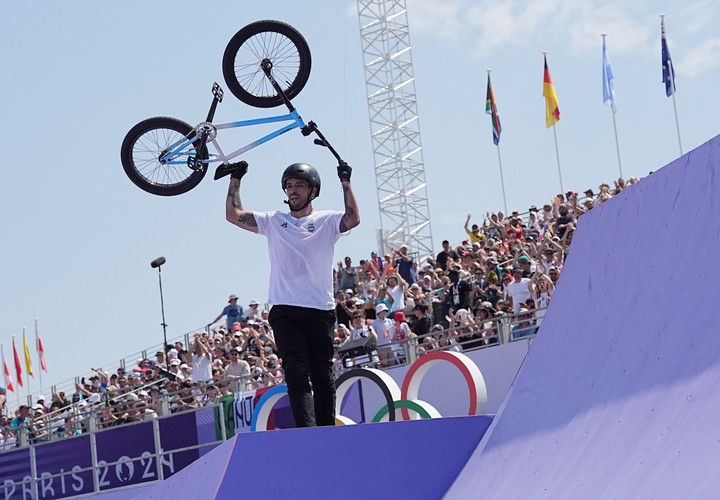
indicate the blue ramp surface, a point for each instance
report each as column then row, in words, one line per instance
column 416, row 459
column 619, row 396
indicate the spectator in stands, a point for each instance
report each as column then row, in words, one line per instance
column 40, row 401
column 541, row 290
column 175, row 370
column 547, row 216
column 233, row 312
column 252, row 311
column 517, row 290
column 402, row 332
column 366, row 281
column 346, row 276
column 396, row 286
column 442, row 257
column 160, row 359
column 361, row 329
column 342, row 334
column 60, row 397
column 604, row 194
column 421, row 325
column 415, row 296
column 554, row 275
column 385, row 331
column 524, row 327
column 22, row 420
column 445, row 339
column 526, row 265
column 404, row 264
column 376, row 263
column 201, row 358
column 383, row 297
column 455, row 293
column 474, row 232
column 388, row 265
column 344, row 307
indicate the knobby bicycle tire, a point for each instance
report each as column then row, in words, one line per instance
column 279, row 42
column 144, row 144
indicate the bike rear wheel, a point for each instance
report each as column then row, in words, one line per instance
column 283, row 45
column 144, row 146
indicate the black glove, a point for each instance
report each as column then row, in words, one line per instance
column 344, row 171
column 241, row 169
column 236, row 170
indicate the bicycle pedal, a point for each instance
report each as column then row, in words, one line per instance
column 224, row 170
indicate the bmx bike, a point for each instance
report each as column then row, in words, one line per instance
column 265, row 65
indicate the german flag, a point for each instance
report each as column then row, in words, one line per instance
column 552, row 111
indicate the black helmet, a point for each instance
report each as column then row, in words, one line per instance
column 302, row 171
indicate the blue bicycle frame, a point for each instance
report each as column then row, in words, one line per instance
column 178, row 151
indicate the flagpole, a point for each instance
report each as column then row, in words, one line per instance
column 557, row 150
column 28, row 376
column 677, row 123
column 671, row 72
column 502, row 178
column 17, row 392
column 557, row 155
column 37, row 351
column 611, row 101
column 617, row 144
column 2, row 353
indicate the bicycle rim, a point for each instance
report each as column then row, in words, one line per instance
column 283, row 46
column 146, row 143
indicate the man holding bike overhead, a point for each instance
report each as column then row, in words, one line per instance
column 301, row 248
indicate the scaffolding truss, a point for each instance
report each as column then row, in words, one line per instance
column 395, row 126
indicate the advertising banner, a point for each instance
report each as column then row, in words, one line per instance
column 131, row 446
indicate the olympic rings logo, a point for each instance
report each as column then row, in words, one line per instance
column 404, row 399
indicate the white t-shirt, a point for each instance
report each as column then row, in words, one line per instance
column 201, row 368
column 519, row 293
column 301, row 257
column 398, row 295
column 384, row 329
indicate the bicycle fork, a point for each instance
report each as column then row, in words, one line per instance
column 308, row 129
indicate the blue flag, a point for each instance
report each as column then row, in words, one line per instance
column 608, row 80
column 667, row 66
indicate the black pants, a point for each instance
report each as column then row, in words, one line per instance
column 304, row 338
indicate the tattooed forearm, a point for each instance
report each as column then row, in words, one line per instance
column 247, row 219
column 234, row 196
column 350, row 218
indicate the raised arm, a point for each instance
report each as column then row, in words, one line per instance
column 351, row 218
column 234, row 211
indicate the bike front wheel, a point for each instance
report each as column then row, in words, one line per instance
column 276, row 41
column 158, row 157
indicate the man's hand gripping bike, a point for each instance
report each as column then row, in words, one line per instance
column 265, row 64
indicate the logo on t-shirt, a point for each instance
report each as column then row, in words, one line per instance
column 284, row 224
column 311, row 227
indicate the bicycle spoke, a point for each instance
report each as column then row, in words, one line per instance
column 147, row 151
column 271, row 45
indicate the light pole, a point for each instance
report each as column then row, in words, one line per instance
column 158, row 263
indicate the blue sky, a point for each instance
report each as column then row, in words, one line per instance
column 78, row 237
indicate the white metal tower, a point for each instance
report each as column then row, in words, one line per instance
column 394, row 125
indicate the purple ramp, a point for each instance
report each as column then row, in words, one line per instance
column 618, row 397
column 417, row 459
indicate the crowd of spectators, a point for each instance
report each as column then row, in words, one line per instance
column 506, row 268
